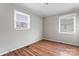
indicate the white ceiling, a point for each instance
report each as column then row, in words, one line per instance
column 50, row 9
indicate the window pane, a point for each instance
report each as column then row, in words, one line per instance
column 67, row 24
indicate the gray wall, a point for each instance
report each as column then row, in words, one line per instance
column 50, row 30
column 10, row 39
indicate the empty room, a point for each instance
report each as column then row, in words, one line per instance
column 39, row 29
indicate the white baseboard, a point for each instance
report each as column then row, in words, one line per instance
column 18, row 47
column 60, row 42
column 4, row 53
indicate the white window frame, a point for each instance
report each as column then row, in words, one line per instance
column 74, row 23
column 21, row 13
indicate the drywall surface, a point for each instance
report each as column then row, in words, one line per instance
column 10, row 38
column 51, row 31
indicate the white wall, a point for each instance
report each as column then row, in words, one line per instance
column 51, row 29
column 11, row 39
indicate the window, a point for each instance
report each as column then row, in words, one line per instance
column 22, row 21
column 67, row 24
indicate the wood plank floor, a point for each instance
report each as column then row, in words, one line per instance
column 46, row 48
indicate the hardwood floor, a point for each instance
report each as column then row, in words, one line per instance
column 46, row 48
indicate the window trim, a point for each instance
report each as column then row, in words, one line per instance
column 19, row 12
column 74, row 23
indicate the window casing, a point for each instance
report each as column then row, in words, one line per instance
column 21, row 20
column 67, row 24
